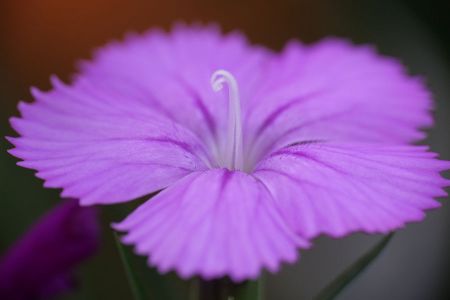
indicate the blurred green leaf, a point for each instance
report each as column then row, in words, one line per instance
column 136, row 288
column 146, row 282
column 345, row 278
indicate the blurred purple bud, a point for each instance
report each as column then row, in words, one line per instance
column 40, row 264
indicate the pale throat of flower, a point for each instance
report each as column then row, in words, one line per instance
column 234, row 153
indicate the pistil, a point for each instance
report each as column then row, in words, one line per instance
column 234, row 143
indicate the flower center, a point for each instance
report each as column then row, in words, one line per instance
column 234, row 145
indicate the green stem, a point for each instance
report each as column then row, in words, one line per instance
column 194, row 289
column 225, row 289
column 332, row 290
column 136, row 289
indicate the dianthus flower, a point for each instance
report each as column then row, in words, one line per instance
column 255, row 152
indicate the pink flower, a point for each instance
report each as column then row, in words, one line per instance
column 255, row 152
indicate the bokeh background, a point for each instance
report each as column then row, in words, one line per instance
column 43, row 37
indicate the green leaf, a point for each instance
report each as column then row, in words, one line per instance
column 136, row 288
column 345, row 278
column 146, row 282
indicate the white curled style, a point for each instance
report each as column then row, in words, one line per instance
column 234, row 144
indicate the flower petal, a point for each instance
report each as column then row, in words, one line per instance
column 172, row 71
column 336, row 91
column 338, row 188
column 101, row 150
column 213, row 224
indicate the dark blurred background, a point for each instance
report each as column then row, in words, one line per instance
column 43, row 37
